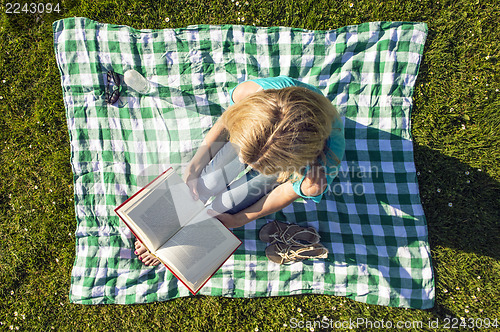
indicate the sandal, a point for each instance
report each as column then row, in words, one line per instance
column 289, row 234
column 282, row 254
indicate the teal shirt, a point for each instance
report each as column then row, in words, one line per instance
column 336, row 140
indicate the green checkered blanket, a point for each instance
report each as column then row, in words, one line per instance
column 371, row 218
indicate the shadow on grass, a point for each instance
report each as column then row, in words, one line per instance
column 460, row 203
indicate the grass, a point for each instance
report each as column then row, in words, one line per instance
column 455, row 128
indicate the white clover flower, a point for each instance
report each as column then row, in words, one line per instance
column 4, row 81
column 167, row 19
column 450, row 204
column 351, row 5
column 299, row 309
column 487, row 57
column 256, row 329
column 479, row 277
column 11, row 292
column 242, row 19
column 438, row 190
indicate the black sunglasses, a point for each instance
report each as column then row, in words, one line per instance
column 113, row 94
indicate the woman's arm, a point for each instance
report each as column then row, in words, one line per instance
column 215, row 139
column 212, row 143
column 270, row 203
column 217, row 135
column 280, row 197
column 314, row 184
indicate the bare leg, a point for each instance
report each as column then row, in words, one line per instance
column 144, row 255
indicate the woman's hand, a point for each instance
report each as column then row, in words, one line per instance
column 229, row 220
column 191, row 179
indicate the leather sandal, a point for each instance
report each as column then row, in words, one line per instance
column 282, row 254
column 289, row 234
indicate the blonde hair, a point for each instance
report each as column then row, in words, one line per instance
column 281, row 131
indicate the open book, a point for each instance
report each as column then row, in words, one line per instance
column 177, row 230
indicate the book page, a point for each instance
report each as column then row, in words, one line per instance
column 158, row 211
column 184, row 203
column 156, row 215
column 196, row 251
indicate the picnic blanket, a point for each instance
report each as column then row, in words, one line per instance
column 371, row 218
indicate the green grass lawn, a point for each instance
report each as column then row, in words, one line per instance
column 455, row 128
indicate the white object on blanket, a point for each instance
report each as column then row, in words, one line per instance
column 136, row 81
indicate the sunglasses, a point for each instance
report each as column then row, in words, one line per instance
column 112, row 92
